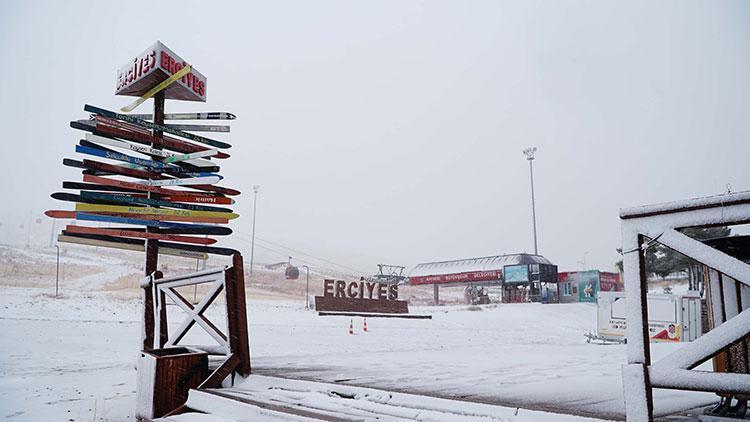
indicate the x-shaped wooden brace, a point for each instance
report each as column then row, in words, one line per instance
column 194, row 313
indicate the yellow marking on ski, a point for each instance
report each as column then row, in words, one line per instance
column 163, row 85
column 155, row 211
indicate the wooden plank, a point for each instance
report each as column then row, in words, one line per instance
column 342, row 304
column 281, row 408
column 175, row 295
column 175, row 376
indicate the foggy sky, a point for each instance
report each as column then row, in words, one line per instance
column 392, row 131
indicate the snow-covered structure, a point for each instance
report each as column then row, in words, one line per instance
column 524, row 271
column 729, row 278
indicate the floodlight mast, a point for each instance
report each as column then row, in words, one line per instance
column 256, row 188
column 529, row 152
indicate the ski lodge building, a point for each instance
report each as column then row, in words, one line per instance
column 523, row 277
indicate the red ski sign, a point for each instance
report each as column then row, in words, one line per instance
column 155, row 65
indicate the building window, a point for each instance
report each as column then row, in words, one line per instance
column 566, row 289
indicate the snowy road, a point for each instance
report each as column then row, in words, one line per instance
column 531, row 356
column 75, row 357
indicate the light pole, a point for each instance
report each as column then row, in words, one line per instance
column 256, row 188
column 307, row 290
column 57, row 270
column 52, row 234
column 584, row 260
column 529, row 152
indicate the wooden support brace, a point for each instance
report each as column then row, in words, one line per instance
column 219, row 374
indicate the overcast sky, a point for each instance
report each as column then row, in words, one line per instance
column 392, row 131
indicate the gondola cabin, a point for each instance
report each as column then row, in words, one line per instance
column 292, row 272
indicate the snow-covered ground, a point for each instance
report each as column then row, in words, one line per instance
column 272, row 398
column 74, row 358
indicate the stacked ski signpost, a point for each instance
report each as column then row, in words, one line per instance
column 155, row 187
column 148, row 190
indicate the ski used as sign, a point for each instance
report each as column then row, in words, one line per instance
column 90, row 148
column 205, row 180
column 156, row 217
column 161, row 202
column 163, row 226
column 181, row 246
column 132, row 186
column 140, row 235
column 100, row 152
column 137, row 246
column 201, row 128
column 193, row 199
column 210, row 115
column 96, row 168
column 91, row 186
column 153, row 126
column 124, row 199
column 153, row 211
column 153, row 152
column 140, row 134
column 190, row 157
column 114, row 128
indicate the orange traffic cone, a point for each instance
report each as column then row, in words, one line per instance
column 365, row 326
column 351, row 327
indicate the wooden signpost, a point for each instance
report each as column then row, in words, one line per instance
column 161, row 192
column 360, row 297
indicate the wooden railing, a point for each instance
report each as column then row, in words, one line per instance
column 728, row 275
column 232, row 345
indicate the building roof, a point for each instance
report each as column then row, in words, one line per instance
column 485, row 263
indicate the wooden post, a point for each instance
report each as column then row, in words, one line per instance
column 237, row 314
column 638, row 391
column 152, row 253
column 436, row 294
column 643, row 291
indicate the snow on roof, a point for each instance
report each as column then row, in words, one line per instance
column 485, row 263
column 685, row 205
